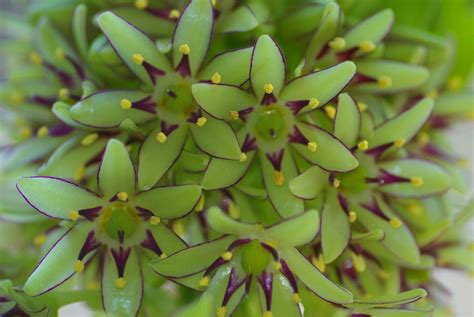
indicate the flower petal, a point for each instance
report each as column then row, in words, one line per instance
column 455, row 104
column 124, row 301
column 347, row 121
column 169, row 202
column 309, row 184
column 240, row 19
column 222, row 223
column 282, row 301
column 235, row 171
column 267, row 67
column 398, row 299
column 128, row 40
column 156, row 158
column 315, row 280
column 168, row 241
column 233, row 66
column 150, row 24
column 220, row 100
column 56, row 197
column 58, row 264
column 194, row 29
column 116, row 171
column 80, row 29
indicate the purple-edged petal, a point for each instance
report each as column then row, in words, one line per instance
column 233, row 67
column 347, row 121
column 56, row 197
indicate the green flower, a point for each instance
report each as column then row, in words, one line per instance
column 114, row 223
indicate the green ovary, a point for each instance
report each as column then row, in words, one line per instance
column 255, row 258
column 118, row 217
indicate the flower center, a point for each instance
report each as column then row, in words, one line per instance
column 119, row 220
column 255, row 258
column 176, row 102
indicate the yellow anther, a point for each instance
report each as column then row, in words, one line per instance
column 313, row 103
column 454, row 83
column 330, row 112
column 336, row 183
column 161, row 137
column 35, row 58
column 234, row 210
column 267, row 313
column 174, row 14
column 227, row 256
column 415, row 209
column 141, row 4
column 25, row 132
column 433, row 94
column 259, row 227
column 358, row 262
column 362, row 106
column 316, row 69
column 234, row 115
column 138, row 58
column 79, row 173
column 470, row 246
column 184, row 49
column 163, row 255
column 221, row 311
column 120, row 283
column 243, row 157
column 463, row 162
column 363, row 145
column 337, row 43
column 63, row 93
column 318, row 262
column 268, row 88
column 216, row 78
column 399, row 143
column 213, row 3
column 312, row 146
column 59, row 54
column 367, row 46
column 78, row 266
column 89, row 139
column 16, row 98
column 296, row 298
column 40, row 239
column 383, row 275
column 125, row 104
column 277, row 266
column 423, row 138
column 200, row 204
column 278, row 178
column 201, row 121
column 42, row 132
column 384, row 82
column 122, row 196
column 417, row 181
column 154, row 220
column 178, row 228
column 352, row 216
column 395, row 223
column 204, row 282
column 74, row 215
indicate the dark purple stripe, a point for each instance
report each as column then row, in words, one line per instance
column 183, row 67
column 285, row 270
column 89, row 245
column 43, row 101
column 153, row 71
column 120, row 257
column 297, row 137
column 244, row 114
column 343, row 202
column 90, row 213
column 268, row 99
column 60, row 129
column 375, row 209
column 250, row 144
column 296, row 105
column 218, row 262
column 150, row 243
column 168, row 128
column 386, row 178
column 146, row 104
column 276, row 159
column 271, row 250
column 266, row 282
column 238, row 243
column 232, row 286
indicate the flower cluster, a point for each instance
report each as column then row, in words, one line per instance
column 171, row 158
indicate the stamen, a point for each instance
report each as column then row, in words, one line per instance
column 125, row 104
column 178, row 228
column 163, row 256
column 318, row 262
column 312, row 146
column 277, row 266
column 358, row 262
column 415, row 209
column 268, row 88
column 40, row 239
column 74, row 215
column 367, row 46
column 383, row 275
column 362, row 106
column 234, row 210
column 423, row 138
column 363, row 145
column 433, row 94
column 25, row 132
column 278, row 178
column 154, row 220
column 330, row 112
column 221, row 311
column 63, row 94
column 174, row 14
column 141, row 4
column 201, row 121
column 213, row 3
column 161, row 137
column 59, row 54
column 79, row 173
column 204, row 282
column 89, row 139
column 267, row 313
column 336, row 183
column 120, row 283
column 352, row 216
column 243, row 157
column 417, row 181
column 337, row 43
column 384, row 82
column 296, row 298
column 200, row 204
column 399, row 143
column 266, row 282
column 234, row 115
column 184, row 49
column 122, row 196
column 42, row 132
column 454, row 83
column 35, row 58
column 227, row 256
column 78, row 266
column 137, row 59
column 313, row 103
column 16, row 98
column 395, row 223
column 216, row 78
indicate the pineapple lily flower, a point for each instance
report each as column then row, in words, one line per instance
column 250, row 259
column 113, row 223
column 275, row 123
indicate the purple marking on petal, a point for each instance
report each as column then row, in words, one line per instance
column 89, row 245
column 248, row 283
column 386, row 178
column 268, row 99
column 343, row 202
column 438, row 122
column 121, row 257
column 323, row 52
column 232, row 286
column 4, row 300
column 146, row 104
column 79, row 70
column 285, row 270
column 168, row 128
column 150, row 243
column 183, row 68
column 375, row 209
column 433, row 150
column 144, row 213
column 296, row 105
column 276, row 159
column 160, row 13
column 349, row 270
column 250, row 144
column 238, row 243
column 218, row 262
column 121, row 236
column 60, row 129
column 90, row 213
column 362, row 79
column 360, row 315
column 43, row 101
column 64, row 77
column 346, row 55
column 153, row 71
column 215, row 13
column 194, row 116
column 244, row 114
column 266, row 282
column 361, row 251
column 297, row 137
column 378, row 151
column 270, row 249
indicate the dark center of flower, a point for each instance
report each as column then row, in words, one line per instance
column 255, row 258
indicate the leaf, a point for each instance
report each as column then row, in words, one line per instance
column 267, row 67
column 80, row 29
column 347, row 122
column 193, row 259
column 373, row 29
column 315, row 280
column 169, row 202
column 56, row 197
column 122, row 301
column 309, row 184
column 240, row 19
column 116, row 171
column 194, row 29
